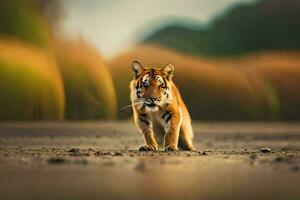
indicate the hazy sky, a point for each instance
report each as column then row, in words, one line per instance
column 114, row 25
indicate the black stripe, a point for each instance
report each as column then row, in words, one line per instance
column 143, row 120
column 138, row 85
column 164, row 115
column 165, row 82
column 168, row 118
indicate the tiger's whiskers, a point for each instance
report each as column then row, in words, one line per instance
column 131, row 105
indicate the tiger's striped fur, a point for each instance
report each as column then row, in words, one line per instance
column 158, row 109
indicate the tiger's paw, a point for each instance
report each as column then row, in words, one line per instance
column 171, row 148
column 189, row 148
column 148, row 148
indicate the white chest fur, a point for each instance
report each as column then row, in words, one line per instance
column 157, row 117
column 162, row 117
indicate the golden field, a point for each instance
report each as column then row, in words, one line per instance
column 31, row 85
column 89, row 88
column 260, row 86
column 68, row 81
column 46, row 77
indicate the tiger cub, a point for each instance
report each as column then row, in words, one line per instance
column 158, row 109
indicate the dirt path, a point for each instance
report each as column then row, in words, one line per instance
column 98, row 160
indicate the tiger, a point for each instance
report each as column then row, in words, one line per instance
column 159, row 112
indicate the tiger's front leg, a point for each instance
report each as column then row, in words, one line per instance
column 144, row 125
column 172, row 135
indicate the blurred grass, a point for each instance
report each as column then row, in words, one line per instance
column 279, row 72
column 75, row 82
column 22, row 19
column 262, row 86
column 31, row 87
column 89, row 88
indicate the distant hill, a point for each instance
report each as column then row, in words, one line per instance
column 267, row 25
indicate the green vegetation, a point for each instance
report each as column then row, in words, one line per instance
column 267, row 25
column 46, row 79
column 21, row 19
column 259, row 86
column 34, row 87
column 31, row 87
column 89, row 89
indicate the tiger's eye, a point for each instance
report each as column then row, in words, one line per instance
column 145, row 84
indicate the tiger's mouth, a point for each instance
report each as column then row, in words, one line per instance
column 150, row 104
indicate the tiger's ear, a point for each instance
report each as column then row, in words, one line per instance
column 137, row 68
column 168, row 70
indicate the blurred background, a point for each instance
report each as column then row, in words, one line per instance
column 70, row 59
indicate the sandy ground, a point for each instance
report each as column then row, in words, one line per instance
column 98, row 160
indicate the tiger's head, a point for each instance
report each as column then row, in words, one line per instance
column 151, row 85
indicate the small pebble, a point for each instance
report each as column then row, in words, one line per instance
column 99, row 153
column 265, row 150
column 118, row 154
column 73, row 150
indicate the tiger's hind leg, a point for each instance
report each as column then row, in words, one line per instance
column 186, row 137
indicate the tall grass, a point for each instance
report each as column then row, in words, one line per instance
column 283, row 81
column 89, row 88
column 279, row 74
column 246, row 88
column 30, row 84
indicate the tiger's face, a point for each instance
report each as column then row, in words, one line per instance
column 152, row 85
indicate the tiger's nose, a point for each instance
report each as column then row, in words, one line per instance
column 154, row 99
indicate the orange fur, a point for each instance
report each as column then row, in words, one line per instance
column 158, row 109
